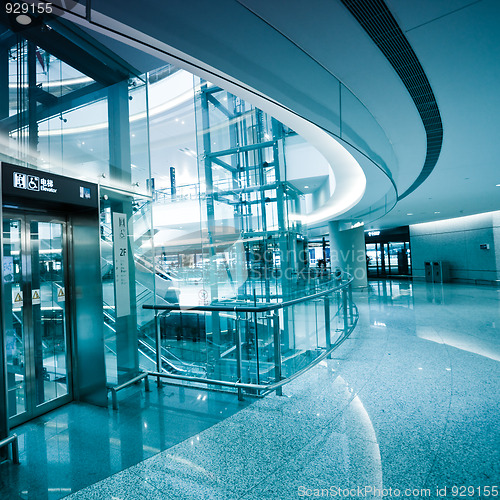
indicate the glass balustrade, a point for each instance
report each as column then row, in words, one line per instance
column 253, row 347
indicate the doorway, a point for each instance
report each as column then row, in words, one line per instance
column 388, row 259
column 37, row 326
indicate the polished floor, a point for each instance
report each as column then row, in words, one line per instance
column 79, row 444
column 408, row 406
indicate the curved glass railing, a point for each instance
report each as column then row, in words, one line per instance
column 255, row 348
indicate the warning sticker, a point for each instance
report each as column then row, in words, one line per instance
column 17, row 298
column 35, row 297
column 61, row 295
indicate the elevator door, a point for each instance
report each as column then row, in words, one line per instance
column 36, row 315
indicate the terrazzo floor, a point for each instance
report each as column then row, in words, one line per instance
column 408, row 407
column 79, row 444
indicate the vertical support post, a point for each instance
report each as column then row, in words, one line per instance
column 158, row 349
column 88, row 10
column 5, row 303
column 120, row 171
column 351, row 307
column 238, row 356
column 316, row 318
column 326, row 305
column 12, row 440
column 15, row 450
column 206, row 167
column 257, row 347
column 345, row 312
column 277, row 351
column 32, row 103
column 4, row 81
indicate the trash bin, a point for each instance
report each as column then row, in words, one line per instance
column 436, row 272
column 428, row 271
column 440, row 272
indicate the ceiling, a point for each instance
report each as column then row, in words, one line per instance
column 289, row 53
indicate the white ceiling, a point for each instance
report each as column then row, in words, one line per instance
column 289, row 50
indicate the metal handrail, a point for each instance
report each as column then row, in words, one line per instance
column 128, row 383
column 245, row 308
column 265, row 388
column 349, row 322
column 12, row 440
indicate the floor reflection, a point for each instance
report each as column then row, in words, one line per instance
column 79, row 444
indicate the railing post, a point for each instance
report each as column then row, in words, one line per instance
column 15, row 450
column 238, row 356
column 326, row 305
column 277, row 351
column 345, row 311
column 351, row 307
column 12, row 440
column 257, row 347
column 159, row 382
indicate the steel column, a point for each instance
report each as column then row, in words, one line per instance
column 345, row 312
column 326, row 305
column 238, row 356
column 277, row 351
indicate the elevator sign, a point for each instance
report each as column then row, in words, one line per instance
column 33, row 183
column 38, row 186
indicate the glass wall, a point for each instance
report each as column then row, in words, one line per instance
column 59, row 119
column 194, row 199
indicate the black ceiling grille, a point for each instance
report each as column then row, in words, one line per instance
column 375, row 17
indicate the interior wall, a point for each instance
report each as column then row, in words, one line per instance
column 458, row 242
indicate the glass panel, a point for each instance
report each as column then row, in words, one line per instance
column 399, row 258
column 48, row 309
column 386, row 266
column 371, row 259
column 14, row 333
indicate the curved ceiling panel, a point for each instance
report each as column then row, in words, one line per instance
column 259, row 59
column 383, row 29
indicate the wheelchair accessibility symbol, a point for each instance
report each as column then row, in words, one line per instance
column 33, row 183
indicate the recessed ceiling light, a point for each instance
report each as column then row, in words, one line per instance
column 409, row 214
column 23, row 19
column 437, row 212
column 498, row 185
column 306, row 187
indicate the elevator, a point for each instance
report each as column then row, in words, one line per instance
column 52, row 348
column 36, row 321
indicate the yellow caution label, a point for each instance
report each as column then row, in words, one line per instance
column 19, row 298
column 36, row 295
column 60, row 295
